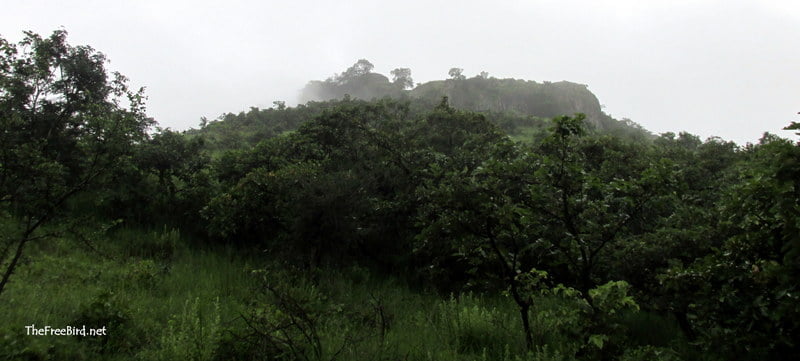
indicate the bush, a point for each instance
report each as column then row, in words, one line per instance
column 143, row 273
column 106, row 310
column 15, row 345
column 291, row 318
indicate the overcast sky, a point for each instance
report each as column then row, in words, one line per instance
column 725, row 68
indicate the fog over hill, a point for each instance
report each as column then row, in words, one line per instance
column 710, row 67
column 482, row 93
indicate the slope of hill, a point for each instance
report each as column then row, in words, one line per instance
column 517, row 97
column 519, row 107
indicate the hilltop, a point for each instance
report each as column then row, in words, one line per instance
column 520, row 108
column 481, row 93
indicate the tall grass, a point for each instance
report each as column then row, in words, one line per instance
column 167, row 300
column 148, row 275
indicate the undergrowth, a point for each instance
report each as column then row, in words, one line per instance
column 162, row 299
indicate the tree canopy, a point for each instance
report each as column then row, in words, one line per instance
column 66, row 123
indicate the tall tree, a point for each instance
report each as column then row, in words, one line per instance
column 64, row 122
column 361, row 67
column 553, row 208
column 456, row 73
column 402, row 77
column 743, row 295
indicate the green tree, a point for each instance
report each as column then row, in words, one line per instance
column 64, row 124
column 169, row 183
column 558, row 207
column 172, row 157
column 679, row 222
column 326, row 189
column 742, row 294
column 360, row 68
column 402, row 77
column 456, row 74
column 474, row 214
column 590, row 198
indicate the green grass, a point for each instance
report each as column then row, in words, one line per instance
column 163, row 300
column 527, row 134
column 146, row 276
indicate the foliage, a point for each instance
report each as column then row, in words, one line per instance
column 402, row 77
column 650, row 353
column 108, row 311
column 464, row 219
column 65, row 125
column 749, row 282
column 501, row 100
column 143, row 273
column 288, row 323
column 475, row 327
column 192, row 334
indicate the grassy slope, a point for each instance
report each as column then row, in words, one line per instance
column 144, row 278
column 180, row 303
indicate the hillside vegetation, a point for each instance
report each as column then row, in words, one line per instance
column 481, row 93
column 390, row 224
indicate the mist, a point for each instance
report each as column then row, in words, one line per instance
column 711, row 68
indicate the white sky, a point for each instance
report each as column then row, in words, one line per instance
column 725, row 68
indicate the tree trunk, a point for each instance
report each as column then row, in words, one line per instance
column 686, row 327
column 524, row 306
column 526, row 326
column 14, row 262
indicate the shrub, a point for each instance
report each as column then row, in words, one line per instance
column 106, row 310
column 143, row 273
column 15, row 345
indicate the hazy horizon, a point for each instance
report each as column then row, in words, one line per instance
column 712, row 68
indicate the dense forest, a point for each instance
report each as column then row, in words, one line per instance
column 462, row 219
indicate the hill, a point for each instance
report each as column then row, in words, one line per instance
column 481, row 93
column 520, row 108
